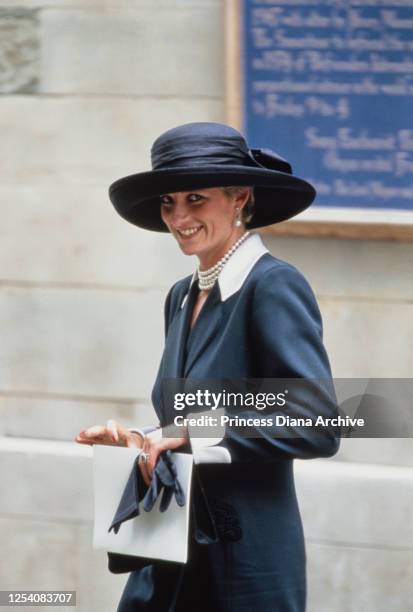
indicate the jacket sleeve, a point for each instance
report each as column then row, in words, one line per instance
column 285, row 340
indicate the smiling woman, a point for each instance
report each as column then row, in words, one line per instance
column 243, row 314
column 205, row 223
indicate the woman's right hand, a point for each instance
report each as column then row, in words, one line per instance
column 113, row 434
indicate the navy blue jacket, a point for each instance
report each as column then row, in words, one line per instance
column 260, row 320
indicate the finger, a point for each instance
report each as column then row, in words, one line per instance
column 134, row 441
column 91, row 432
column 82, row 441
column 87, row 437
column 147, row 448
column 95, row 440
column 156, row 446
column 122, row 436
column 112, row 427
column 92, row 439
column 144, row 472
column 128, row 438
column 153, row 458
column 145, row 475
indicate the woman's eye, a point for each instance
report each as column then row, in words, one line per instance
column 166, row 200
column 194, row 198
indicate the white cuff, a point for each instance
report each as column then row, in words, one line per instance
column 211, row 454
column 143, row 430
column 204, row 450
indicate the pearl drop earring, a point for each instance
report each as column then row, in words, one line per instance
column 238, row 221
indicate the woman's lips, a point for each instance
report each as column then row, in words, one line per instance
column 189, row 232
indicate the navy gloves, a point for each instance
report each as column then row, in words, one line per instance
column 164, row 481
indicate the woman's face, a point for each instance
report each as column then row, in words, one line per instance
column 202, row 221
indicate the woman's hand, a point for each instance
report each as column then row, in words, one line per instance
column 113, row 434
column 153, row 445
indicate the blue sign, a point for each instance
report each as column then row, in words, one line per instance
column 329, row 86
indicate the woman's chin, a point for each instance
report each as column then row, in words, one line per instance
column 190, row 246
column 189, row 249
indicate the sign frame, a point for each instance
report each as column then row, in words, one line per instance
column 323, row 222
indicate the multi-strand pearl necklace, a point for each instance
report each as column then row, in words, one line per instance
column 207, row 278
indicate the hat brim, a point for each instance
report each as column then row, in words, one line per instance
column 278, row 196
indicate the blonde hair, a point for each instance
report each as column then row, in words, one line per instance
column 248, row 210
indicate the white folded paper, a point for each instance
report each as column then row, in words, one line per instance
column 154, row 534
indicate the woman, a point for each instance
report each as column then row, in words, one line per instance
column 243, row 315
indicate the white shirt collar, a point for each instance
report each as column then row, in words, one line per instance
column 237, row 267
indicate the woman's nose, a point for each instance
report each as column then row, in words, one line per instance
column 179, row 213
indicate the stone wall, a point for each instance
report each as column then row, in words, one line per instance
column 86, row 87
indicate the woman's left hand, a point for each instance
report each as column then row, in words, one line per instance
column 153, row 445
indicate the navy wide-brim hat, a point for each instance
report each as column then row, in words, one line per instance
column 202, row 155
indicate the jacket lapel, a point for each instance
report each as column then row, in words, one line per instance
column 174, row 353
column 205, row 329
column 173, row 358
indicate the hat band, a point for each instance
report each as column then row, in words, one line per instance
column 199, row 153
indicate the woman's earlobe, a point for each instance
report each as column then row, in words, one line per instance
column 238, row 217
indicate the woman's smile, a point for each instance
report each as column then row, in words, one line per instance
column 188, row 232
